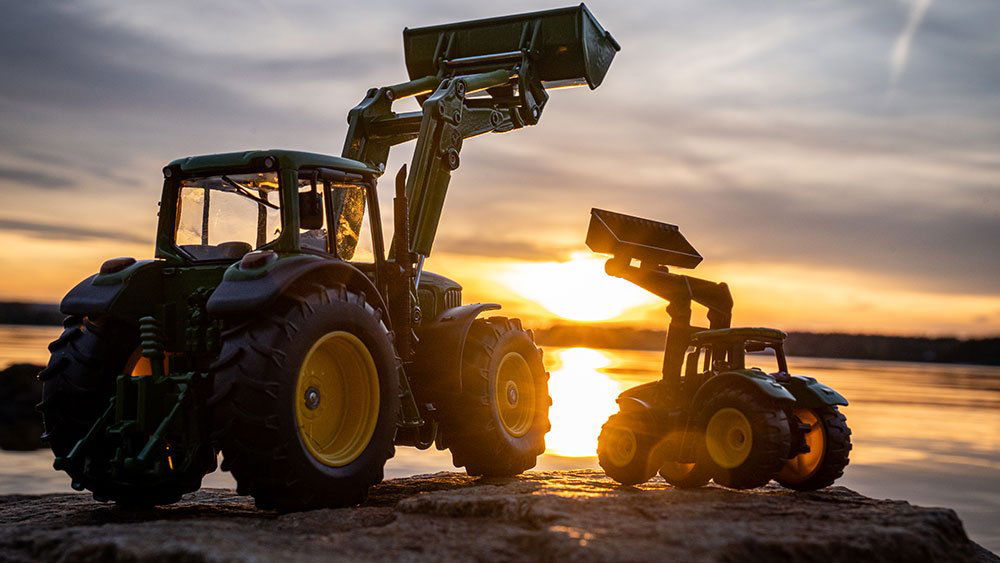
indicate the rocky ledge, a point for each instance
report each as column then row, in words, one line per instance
column 566, row 515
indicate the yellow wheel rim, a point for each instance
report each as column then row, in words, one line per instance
column 621, row 447
column 337, row 399
column 514, row 391
column 802, row 466
column 728, row 438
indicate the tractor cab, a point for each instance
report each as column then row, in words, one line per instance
column 219, row 208
column 725, row 349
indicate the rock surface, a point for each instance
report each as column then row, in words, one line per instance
column 566, row 515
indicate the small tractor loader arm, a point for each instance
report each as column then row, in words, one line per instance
column 471, row 78
column 656, row 246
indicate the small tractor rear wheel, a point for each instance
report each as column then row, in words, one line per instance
column 307, row 400
column 626, row 448
column 77, row 387
column 746, row 438
column 829, row 441
column 497, row 426
column 683, row 475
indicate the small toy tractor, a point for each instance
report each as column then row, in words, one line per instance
column 277, row 326
column 711, row 417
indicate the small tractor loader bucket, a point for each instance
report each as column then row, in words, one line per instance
column 567, row 47
column 627, row 237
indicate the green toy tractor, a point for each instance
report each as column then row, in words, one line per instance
column 711, row 417
column 277, row 326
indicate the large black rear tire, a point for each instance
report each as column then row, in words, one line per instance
column 20, row 423
column 746, row 438
column 261, row 427
column 77, row 387
column 497, row 426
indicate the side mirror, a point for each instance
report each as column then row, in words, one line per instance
column 310, row 210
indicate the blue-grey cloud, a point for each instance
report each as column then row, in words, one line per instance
column 66, row 232
column 34, row 178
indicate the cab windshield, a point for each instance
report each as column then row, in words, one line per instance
column 226, row 216
column 222, row 217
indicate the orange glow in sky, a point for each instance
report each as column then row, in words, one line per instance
column 576, row 290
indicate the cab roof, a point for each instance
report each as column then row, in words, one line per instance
column 285, row 158
column 738, row 334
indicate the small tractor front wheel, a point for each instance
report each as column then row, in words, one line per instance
column 497, row 425
column 307, row 400
column 626, row 448
column 746, row 438
column 829, row 441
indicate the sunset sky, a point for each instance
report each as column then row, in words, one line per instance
column 836, row 162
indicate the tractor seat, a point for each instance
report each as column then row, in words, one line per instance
column 232, row 250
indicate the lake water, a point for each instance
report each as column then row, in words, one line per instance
column 926, row 433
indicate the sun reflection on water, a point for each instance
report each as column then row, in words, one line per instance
column 582, row 399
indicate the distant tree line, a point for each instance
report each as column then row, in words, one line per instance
column 810, row 344
column 30, row 314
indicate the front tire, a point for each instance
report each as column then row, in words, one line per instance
column 627, row 448
column 829, row 441
column 307, row 401
column 497, row 426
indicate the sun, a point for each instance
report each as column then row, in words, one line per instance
column 576, row 290
column 582, row 399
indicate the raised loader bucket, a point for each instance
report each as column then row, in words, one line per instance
column 627, row 237
column 568, row 46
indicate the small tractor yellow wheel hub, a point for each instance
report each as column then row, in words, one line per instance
column 728, row 438
column 514, row 391
column 622, row 447
column 337, row 399
column 804, row 465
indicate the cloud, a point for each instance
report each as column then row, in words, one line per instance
column 901, row 48
column 52, row 231
column 35, row 178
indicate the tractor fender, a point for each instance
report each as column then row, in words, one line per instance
column 97, row 294
column 243, row 291
column 639, row 398
column 437, row 363
column 810, row 393
column 749, row 379
column 633, row 404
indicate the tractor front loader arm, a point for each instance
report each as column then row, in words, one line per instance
column 510, row 61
